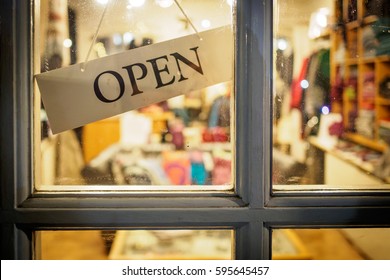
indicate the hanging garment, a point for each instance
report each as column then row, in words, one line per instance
column 199, row 174
column 220, row 112
column 368, row 92
column 177, row 167
column 296, row 88
column 336, row 91
column 317, row 94
column 221, row 174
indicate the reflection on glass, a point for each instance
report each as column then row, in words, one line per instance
column 181, row 141
column 331, row 244
column 331, row 107
column 136, row 244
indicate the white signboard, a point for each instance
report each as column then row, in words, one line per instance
column 136, row 78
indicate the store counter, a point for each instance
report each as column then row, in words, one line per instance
column 348, row 164
column 196, row 245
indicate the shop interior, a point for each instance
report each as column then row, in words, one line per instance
column 330, row 124
column 330, row 94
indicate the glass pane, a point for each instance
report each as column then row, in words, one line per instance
column 180, row 143
column 136, row 244
column 331, row 244
column 331, row 102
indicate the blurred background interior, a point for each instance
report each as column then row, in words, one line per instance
column 331, row 122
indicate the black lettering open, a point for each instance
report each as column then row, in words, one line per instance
column 197, row 68
column 132, row 78
column 98, row 92
column 158, row 70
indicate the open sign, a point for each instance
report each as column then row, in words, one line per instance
column 136, row 78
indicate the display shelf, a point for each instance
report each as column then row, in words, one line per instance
column 370, row 19
column 352, row 51
column 382, row 101
column 367, row 60
column 353, row 25
column 351, row 62
column 361, row 161
column 362, row 112
column 325, row 35
column 365, row 141
column 383, row 58
column 226, row 146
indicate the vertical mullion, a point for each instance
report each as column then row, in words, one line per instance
column 267, row 242
column 15, row 244
column 24, row 248
column 253, row 101
column 260, row 96
column 241, row 101
column 253, row 122
column 250, row 240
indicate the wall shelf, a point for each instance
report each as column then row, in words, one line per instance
column 362, row 106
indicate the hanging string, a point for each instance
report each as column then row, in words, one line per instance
column 188, row 19
column 84, row 64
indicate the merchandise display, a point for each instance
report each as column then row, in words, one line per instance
column 368, row 67
column 330, row 92
column 196, row 244
column 172, row 244
column 180, row 141
column 348, row 80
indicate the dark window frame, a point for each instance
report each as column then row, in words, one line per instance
column 252, row 211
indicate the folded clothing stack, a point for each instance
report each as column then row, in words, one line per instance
column 370, row 43
column 382, row 33
column 368, row 92
column 364, row 123
column 384, row 87
column 384, row 130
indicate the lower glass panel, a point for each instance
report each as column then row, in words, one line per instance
column 287, row 244
column 136, row 244
column 331, row 244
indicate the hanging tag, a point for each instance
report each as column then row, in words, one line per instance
column 136, row 78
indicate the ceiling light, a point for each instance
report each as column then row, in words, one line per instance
column 102, row 2
column 164, row 3
column 282, row 44
column 304, row 84
column 325, row 110
column 136, row 3
column 67, row 43
column 127, row 38
column 117, row 39
column 321, row 20
column 206, row 23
